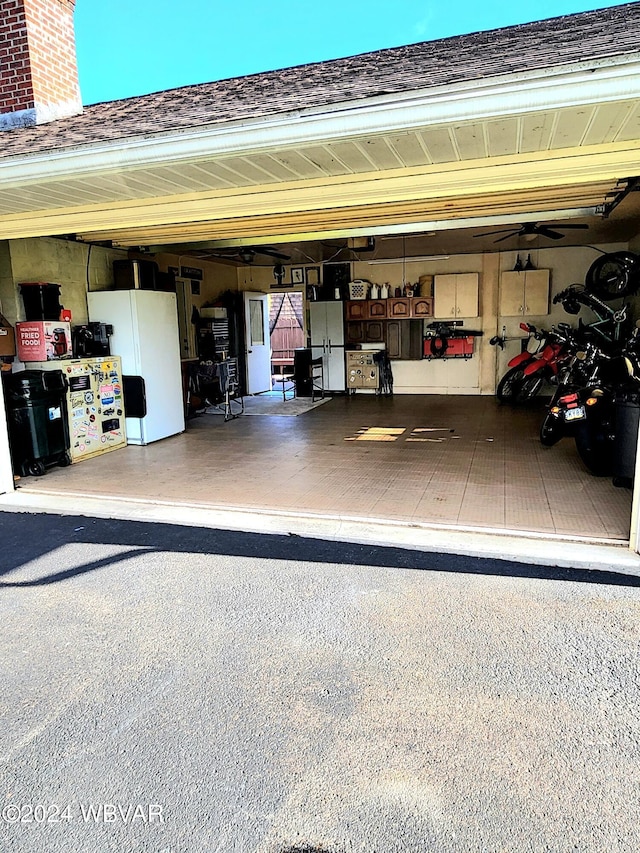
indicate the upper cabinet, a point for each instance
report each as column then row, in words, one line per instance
column 524, row 293
column 455, row 295
column 357, row 309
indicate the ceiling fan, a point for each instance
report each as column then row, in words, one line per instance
column 247, row 254
column 531, row 230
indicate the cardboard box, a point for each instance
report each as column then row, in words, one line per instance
column 7, row 337
column 43, row 340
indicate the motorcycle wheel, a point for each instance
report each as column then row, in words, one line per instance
column 550, row 431
column 595, row 449
column 613, row 275
column 515, row 387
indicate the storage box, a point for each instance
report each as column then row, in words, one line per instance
column 7, row 337
column 43, row 340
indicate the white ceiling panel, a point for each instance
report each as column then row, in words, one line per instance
column 409, row 150
column 322, row 157
column 352, row 155
column 535, row 132
column 571, row 127
column 606, row 122
column 296, row 162
column 381, row 154
column 439, row 145
column 502, row 137
column 470, row 141
column 274, row 168
column 243, row 166
column 631, row 127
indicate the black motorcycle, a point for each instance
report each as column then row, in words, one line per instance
column 586, row 407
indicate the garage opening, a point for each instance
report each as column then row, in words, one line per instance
column 440, row 449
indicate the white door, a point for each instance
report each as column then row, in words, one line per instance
column 256, row 321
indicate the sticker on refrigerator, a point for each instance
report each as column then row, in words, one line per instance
column 80, row 383
column 106, row 394
column 55, row 413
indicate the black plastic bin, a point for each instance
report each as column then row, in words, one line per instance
column 37, row 414
column 626, row 440
column 41, row 300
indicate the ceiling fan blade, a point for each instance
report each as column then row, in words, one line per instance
column 547, row 232
column 500, row 231
column 506, row 236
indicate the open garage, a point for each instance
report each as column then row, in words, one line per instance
column 466, row 183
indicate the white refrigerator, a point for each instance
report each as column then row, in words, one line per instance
column 145, row 336
column 327, row 341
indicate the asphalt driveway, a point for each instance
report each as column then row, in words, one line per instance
column 174, row 689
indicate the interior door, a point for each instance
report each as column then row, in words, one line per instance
column 258, row 345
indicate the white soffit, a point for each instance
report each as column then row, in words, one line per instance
column 547, row 91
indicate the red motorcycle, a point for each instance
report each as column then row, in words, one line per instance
column 528, row 371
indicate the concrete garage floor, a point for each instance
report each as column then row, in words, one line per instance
column 462, row 461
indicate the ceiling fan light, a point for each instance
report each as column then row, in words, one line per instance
column 530, row 236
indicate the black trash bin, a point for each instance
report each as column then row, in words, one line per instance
column 37, row 415
column 41, row 300
column 626, row 440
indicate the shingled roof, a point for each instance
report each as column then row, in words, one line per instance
column 570, row 39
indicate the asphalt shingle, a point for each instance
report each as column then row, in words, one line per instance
column 585, row 37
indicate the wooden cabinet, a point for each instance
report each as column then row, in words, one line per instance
column 399, row 307
column 403, row 339
column 357, row 309
column 374, row 331
column 524, row 293
column 421, row 306
column 388, row 320
column 355, row 333
column 455, row 295
column 376, row 309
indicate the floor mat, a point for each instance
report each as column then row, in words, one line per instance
column 269, row 405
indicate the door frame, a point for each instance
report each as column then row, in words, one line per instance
column 258, row 377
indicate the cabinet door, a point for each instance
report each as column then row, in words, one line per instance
column 335, row 322
column 398, row 307
column 333, row 364
column 376, row 309
column 512, row 294
column 393, row 338
column 374, row 331
column 357, row 309
column 318, row 322
column 536, row 292
column 355, row 333
column 422, row 306
column 467, row 294
column 444, row 296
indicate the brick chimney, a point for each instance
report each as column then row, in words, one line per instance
column 38, row 70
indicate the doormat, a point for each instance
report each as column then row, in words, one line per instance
column 269, row 405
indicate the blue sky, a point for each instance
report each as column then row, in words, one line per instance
column 131, row 47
